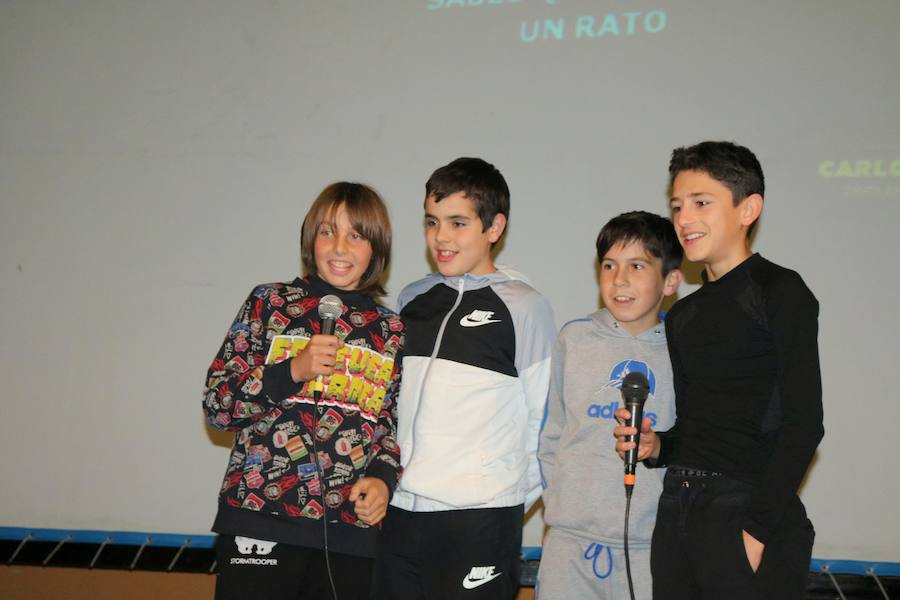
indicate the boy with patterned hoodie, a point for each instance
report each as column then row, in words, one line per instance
column 315, row 454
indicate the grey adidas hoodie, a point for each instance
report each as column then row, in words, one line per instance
column 582, row 474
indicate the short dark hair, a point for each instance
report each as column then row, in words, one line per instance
column 656, row 233
column 479, row 180
column 734, row 166
column 369, row 217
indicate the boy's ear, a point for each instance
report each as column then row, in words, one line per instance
column 751, row 208
column 672, row 281
column 495, row 231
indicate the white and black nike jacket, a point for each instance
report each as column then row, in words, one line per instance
column 475, row 379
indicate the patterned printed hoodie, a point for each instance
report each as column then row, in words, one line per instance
column 272, row 490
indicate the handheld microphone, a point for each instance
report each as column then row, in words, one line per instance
column 330, row 308
column 635, row 389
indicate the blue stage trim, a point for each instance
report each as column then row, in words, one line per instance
column 128, row 538
column 177, row 540
column 855, row 567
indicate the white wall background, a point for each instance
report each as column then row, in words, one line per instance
column 156, row 159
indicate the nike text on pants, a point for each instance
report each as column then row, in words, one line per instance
column 454, row 554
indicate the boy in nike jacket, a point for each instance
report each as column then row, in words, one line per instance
column 476, row 373
column 584, row 498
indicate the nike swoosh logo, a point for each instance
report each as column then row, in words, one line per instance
column 471, row 584
column 467, row 322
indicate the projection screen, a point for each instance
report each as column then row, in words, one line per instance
column 156, row 159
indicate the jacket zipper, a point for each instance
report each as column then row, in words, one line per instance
column 434, row 353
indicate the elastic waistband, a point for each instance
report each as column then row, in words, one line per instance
column 685, row 472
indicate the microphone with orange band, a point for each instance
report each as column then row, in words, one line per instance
column 635, row 389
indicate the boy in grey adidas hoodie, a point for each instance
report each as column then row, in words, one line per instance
column 584, row 496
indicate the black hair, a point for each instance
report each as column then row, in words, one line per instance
column 734, row 166
column 656, row 233
column 479, row 180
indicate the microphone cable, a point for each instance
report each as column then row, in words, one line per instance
column 628, row 490
column 317, row 395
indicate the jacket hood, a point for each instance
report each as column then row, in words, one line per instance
column 469, row 281
column 319, row 287
column 473, row 282
column 607, row 325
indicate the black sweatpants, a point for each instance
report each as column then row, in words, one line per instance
column 449, row 555
column 698, row 549
column 285, row 572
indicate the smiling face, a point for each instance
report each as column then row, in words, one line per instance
column 341, row 253
column 633, row 287
column 455, row 236
column 710, row 227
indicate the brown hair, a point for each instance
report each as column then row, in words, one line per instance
column 369, row 217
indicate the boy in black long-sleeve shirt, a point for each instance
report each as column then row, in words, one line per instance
column 748, row 398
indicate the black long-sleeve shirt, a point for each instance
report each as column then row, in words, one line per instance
column 748, row 391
